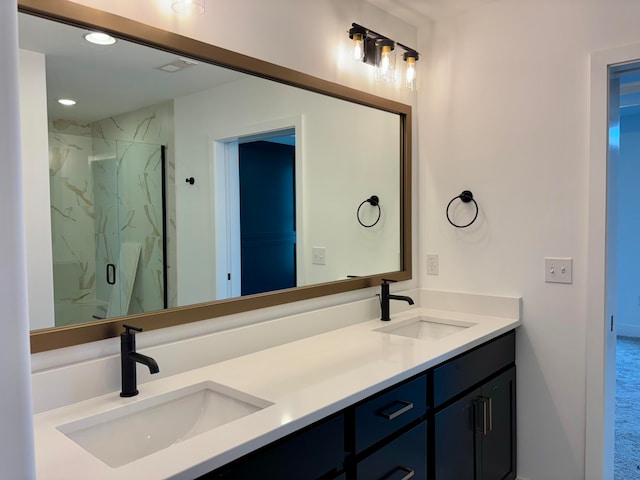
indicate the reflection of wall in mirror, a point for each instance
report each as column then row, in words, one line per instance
column 35, row 188
column 349, row 153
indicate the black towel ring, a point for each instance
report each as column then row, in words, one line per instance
column 466, row 196
column 374, row 201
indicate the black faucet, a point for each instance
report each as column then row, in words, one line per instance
column 128, row 359
column 385, row 296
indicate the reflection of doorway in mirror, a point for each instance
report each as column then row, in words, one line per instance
column 256, row 186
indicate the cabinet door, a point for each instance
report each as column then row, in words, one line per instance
column 498, row 445
column 403, row 458
column 455, row 437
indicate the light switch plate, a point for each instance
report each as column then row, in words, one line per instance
column 319, row 255
column 558, row 270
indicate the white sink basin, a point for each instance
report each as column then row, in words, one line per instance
column 425, row 328
column 133, row 431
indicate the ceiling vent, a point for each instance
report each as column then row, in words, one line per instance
column 177, row 65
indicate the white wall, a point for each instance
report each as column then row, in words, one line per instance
column 506, row 115
column 35, row 187
column 16, row 434
column 343, row 161
column 628, row 286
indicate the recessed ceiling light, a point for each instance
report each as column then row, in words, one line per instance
column 99, row 38
column 67, row 102
column 188, row 7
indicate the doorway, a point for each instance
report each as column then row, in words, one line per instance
column 601, row 334
column 600, row 303
column 258, row 203
column 624, row 169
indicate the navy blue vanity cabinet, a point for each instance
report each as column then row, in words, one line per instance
column 314, row 453
column 455, row 421
column 475, row 414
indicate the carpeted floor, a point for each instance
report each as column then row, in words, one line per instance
column 627, row 443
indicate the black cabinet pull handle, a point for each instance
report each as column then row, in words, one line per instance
column 111, row 274
column 484, row 416
column 392, row 411
column 481, row 403
column 400, row 473
column 490, row 413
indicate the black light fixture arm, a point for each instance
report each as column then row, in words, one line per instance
column 379, row 36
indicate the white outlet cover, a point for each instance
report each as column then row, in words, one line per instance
column 433, row 264
column 558, row 270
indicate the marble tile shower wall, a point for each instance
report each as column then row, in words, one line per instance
column 74, row 272
column 106, row 190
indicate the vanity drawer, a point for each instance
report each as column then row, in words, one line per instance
column 470, row 368
column 403, row 458
column 386, row 413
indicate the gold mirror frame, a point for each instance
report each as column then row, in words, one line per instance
column 86, row 17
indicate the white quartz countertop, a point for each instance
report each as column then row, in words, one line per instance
column 306, row 380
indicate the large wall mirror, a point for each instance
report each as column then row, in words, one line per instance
column 189, row 182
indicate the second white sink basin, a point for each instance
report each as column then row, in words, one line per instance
column 425, row 328
column 133, row 431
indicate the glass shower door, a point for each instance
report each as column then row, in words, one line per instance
column 130, row 228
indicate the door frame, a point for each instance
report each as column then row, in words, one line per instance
column 600, row 381
column 224, row 158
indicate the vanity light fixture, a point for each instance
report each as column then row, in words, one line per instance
column 375, row 49
column 188, row 7
column 67, row 102
column 99, row 38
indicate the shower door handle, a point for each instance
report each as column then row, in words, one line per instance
column 111, row 274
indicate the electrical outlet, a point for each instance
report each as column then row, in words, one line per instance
column 319, row 255
column 433, row 264
column 558, row 270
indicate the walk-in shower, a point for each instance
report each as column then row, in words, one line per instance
column 108, row 212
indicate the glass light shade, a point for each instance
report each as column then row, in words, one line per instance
column 410, row 73
column 358, row 46
column 188, row 7
column 386, row 70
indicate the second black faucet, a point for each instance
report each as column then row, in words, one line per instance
column 385, row 296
